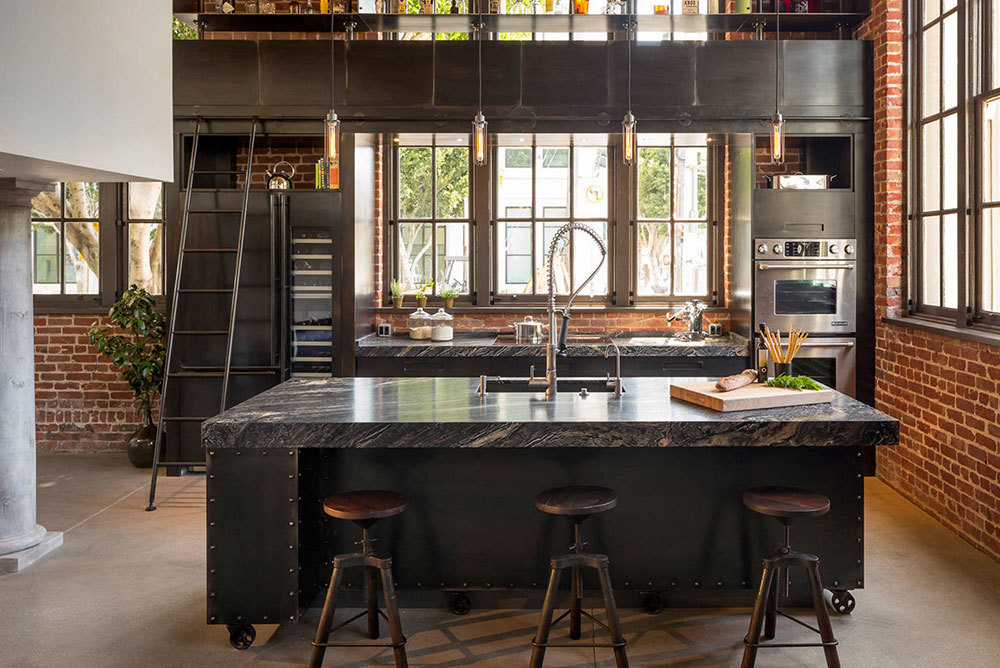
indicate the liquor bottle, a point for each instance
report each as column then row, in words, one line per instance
column 454, row 7
column 426, row 6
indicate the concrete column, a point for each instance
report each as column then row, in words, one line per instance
column 22, row 539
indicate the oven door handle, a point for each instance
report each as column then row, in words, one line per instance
column 825, row 344
column 806, row 265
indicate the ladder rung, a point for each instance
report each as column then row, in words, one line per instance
column 235, row 367
column 182, row 464
column 215, row 210
column 210, row 250
column 201, row 332
column 205, row 291
column 187, row 419
column 219, row 171
column 217, row 374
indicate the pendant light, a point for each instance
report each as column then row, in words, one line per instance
column 331, row 134
column 628, row 123
column 777, row 121
column 479, row 122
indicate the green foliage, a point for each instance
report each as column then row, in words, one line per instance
column 449, row 293
column 183, row 30
column 794, row 383
column 395, row 288
column 423, row 288
column 134, row 341
column 653, row 183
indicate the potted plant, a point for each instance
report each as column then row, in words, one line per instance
column 133, row 340
column 448, row 295
column 422, row 293
column 396, row 290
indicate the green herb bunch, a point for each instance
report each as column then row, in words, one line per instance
column 794, row 383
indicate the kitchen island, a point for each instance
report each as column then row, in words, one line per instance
column 470, row 467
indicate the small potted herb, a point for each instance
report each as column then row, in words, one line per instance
column 133, row 339
column 396, row 290
column 448, row 295
column 422, row 293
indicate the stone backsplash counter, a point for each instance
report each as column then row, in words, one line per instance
column 494, row 345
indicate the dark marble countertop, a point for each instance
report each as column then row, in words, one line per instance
column 493, row 345
column 447, row 413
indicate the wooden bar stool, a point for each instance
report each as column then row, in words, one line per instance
column 786, row 504
column 364, row 508
column 577, row 503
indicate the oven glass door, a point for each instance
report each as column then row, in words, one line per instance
column 818, row 298
column 830, row 361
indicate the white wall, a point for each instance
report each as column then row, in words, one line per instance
column 86, row 90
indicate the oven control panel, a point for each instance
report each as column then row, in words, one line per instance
column 805, row 249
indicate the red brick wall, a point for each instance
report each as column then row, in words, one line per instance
column 81, row 404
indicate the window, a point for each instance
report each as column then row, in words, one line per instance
column 66, row 246
column 144, row 236
column 538, row 190
column 988, row 205
column 672, row 206
column 433, row 215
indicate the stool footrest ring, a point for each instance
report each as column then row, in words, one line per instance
column 605, row 645
column 766, row 645
column 359, row 644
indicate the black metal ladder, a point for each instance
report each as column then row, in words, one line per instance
column 226, row 369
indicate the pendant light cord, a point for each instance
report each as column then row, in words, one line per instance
column 629, row 66
column 479, row 38
column 777, row 43
column 333, row 69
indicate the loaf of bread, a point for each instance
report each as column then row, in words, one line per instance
column 730, row 383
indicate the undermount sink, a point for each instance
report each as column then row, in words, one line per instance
column 680, row 338
column 563, row 385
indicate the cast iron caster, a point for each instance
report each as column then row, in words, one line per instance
column 241, row 636
column 459, row 603
column 652, row 602
column 843, row 601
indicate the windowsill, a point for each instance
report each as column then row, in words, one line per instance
column 540, row 308
column 977, row 333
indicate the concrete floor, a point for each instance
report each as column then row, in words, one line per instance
column 127, row 589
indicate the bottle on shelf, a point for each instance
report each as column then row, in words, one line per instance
column 426, row 6
column 454, row 7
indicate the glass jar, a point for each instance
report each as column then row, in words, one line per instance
column 420, row 325
column 442, row 326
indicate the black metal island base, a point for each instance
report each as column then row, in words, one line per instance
column 470, row 467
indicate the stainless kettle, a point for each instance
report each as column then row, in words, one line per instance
column 529, row 331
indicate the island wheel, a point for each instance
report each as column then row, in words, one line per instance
column 241, row 636
column 843, row 601
column 459, row 603
column 652, row 602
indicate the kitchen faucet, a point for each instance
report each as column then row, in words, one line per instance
column 692, row 315
column 557, row 342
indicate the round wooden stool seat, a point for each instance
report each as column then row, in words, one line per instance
column 786, row 502
column 576, row 500
column 364, row 504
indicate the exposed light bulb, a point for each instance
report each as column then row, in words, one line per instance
column 331, row 140
column 628, row 138
column 479, row 139
column 777, row 138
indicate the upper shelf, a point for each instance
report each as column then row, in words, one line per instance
column 528, row 23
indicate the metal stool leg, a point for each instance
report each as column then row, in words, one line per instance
column 575, row 603
column 392, row 613
column 771, row 609
column 757, row 618
column 545, row 621
column 371, row 579
column 326, row 619
column 822, row 616
column 614, row 624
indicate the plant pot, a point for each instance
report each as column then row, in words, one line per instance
column 140, row 446
column 449, row 302
column 421, row 301
column 397, row 302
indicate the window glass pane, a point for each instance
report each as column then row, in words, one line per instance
column 653, row 261
column 82, row 200
column 415, row 182
column 948, row 5
column 930, row 174
column 45, row 253
column 514, row 260
column 452, row 182
column 653, row 182
column 990, row 266
column 949, row 62
column 991, row 151
column 81, row 268
column 932, row 9
column 590, row 187
column 690, row 183
column 949, row 163
column 145, row 201
column 514, row 182
column 691, row 258
column 47, row 204
column 145, row 256
column 930, row 68
column 415, row 257
column 544, row 232
column 931, row 256
column 452, row 257
column 586, row 258
column 994, row 47
column 949, row 260
column 552, row 181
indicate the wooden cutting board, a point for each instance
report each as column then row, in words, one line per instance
column 749, row 397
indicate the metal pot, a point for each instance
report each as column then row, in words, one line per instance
column 528, row 331
column 800, row 181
